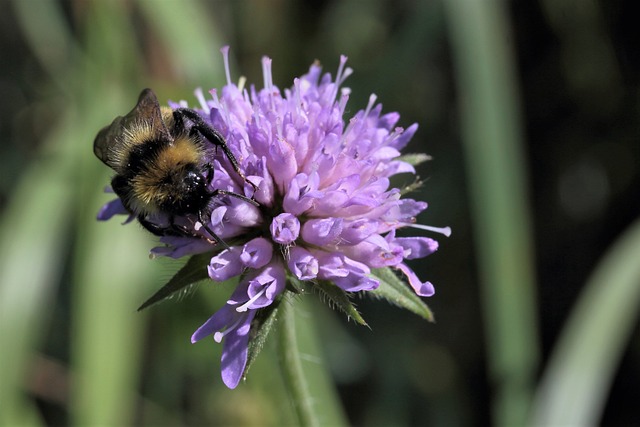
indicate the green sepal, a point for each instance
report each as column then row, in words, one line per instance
column 296, row 285
column 396, row 291
column 414, row 159
column 193, row 271
column 260, row 327
column 415, row 185
column 340, row 299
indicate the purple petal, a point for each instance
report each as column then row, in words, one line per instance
column 282, row 163
column 302, row 192
column 285, row 228
column 405, row 137
column 356, row 231
column 257, row 253
column 376, row 252
column 235, row 351
column 350, row 275
column 109, row 209
column 425, row 289
column 302, row 263
column 417, row 247
column 322, row 232
column 260, row 289
column 258, row 173
column 221, row 318
column 354, row 283
column 389, row 120
column 331, row 265
column 397, row 167
column 180, row 246
column 405, row 211
column 225, row 265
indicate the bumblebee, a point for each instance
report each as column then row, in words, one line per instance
column 158, row 155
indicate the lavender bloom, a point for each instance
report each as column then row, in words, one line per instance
column 327, row 211
column 233, row 321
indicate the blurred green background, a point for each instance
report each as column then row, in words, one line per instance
column 531, row 113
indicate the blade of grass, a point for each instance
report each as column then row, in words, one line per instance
column 33, row 231
column 110, row 270
column 44, row 28
column 497, row 176
column 189, row 38
column 111, row 275
column 576, row 382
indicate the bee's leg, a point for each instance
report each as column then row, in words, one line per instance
column 210, row 175
column 215, row 237
column 212, row 136
column 179, row 230
column 219, row 192
column 172, row 230
column 151, row 227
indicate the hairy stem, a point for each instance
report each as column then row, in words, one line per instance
column 291, row 365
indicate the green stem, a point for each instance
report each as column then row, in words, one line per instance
column 291, row 365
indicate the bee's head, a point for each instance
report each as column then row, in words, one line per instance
column 188, row 193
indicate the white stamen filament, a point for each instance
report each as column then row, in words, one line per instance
column 225, row 56
column 221, row 334
column 442, row 230
column 343, row 61
column 241, row 82
column 372, row 100
column 266, row 73
column 344, row 98
column 214, row 96
column 245, row 306
column 347, row 72
column 245, row 95
column 203, row 102
column 394, row 134
column 218, row 105
column 296, row 95
column 268, row 79
column 350, row 125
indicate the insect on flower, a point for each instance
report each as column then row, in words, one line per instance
column 158, row 155
column 328, row 211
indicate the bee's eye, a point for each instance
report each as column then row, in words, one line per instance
column 193, row 181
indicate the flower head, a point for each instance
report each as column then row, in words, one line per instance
column 327, row 211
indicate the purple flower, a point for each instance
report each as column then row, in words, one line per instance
column 327, row 211
column 233, row 327
column 232, row 323
column 285, row 228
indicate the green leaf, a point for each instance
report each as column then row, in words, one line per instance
column 340, row 299
column 398, row 293
column 414, row 159
column 192, row 272
column 586, row 357
column 260, row 328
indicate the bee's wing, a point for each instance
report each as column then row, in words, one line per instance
column 109, row 143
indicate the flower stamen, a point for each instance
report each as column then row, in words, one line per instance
column 225, row 58
column 218, row 336
column 442, row 230
column 242, row 308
